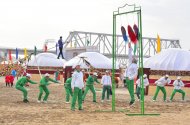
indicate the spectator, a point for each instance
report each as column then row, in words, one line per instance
column 60, row 43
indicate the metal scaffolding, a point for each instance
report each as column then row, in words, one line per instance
column 103, row 42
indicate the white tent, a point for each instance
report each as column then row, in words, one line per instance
column 46, row 60
column 96, row 60
column 170, row 59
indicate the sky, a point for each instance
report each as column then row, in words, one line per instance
column 26, row 23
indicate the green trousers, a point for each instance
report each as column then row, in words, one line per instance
column 130, row 86
column 45, row 89
column 106, row 88
column 91, row 88
column 138, row 92
column 158, row 88
column 24, row 91
column 77, row 94
column 180, row 91
column 68, row 93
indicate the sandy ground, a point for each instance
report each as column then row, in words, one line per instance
column 14, row 112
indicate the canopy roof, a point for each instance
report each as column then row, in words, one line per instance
column 46, row 60
column 170, row 59
column 95, row 59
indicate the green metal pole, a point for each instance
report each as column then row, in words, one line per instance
column 139, row 56
column 113, row 62
column 127, row 12
column 141, row 64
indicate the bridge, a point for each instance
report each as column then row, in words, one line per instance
column 103, row 43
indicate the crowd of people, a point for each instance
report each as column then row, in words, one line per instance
column 131, row 74
column 76, row 87
column 9, row 78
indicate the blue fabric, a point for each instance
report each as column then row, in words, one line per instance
column 13, row 73
column 125, row 38
column 123, row 31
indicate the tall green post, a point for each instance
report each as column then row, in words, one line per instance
column 141, row 62
column 113, row 62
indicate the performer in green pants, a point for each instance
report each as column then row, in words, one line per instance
column 90, row 85
column 77, row 85
column 161, row 86
column 68, row 89
column 106, row 82
column 56, row 74
column 146, row 83
column 43, row 87
column 131, row 73
column 21, row 83
column 177, row 88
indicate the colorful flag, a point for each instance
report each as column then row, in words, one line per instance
column 25, row 53
column 123, row 31
column 5, row 56
column 132, row 35
column 10, row 57
column 45, row 48
column 2, row 54
column 35, row 50
column 158, row 44
column 16, row 54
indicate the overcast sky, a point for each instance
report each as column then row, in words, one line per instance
column 25, row 23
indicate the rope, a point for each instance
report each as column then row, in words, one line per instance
column 38, row 67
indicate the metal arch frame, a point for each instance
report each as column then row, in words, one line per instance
column 137, row 12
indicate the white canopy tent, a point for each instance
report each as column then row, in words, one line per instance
column 170, row 59
column 95, row 59
column 46, row 60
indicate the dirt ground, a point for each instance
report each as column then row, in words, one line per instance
column 56, row 112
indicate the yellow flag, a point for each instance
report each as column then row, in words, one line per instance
column 25, row 53
column 158, row 44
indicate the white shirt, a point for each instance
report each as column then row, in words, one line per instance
column 162, row 82
column 146, row 82
column 106, row 80
column 132, row 71
column 77, row 80
column 130, row 50
column 177, row 85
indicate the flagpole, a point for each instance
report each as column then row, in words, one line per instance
column 38, row 67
